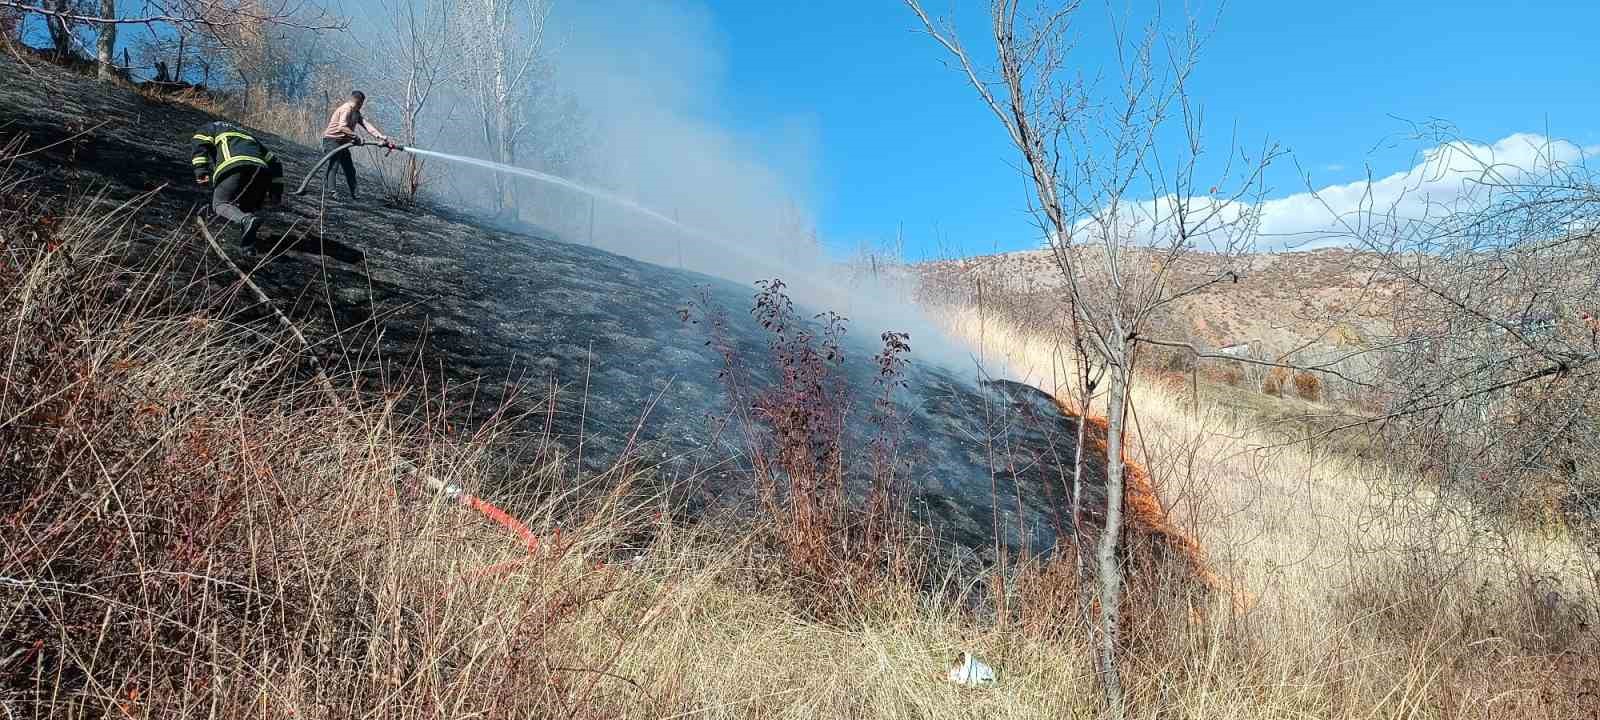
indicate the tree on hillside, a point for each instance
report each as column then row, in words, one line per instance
column 106, row 43
column 181, row 53
column 1092, row 154
column 60, row 26
column 238, row 27
column 418, row 49
column 1491, row 379
column 506, row 55
column 271, row 53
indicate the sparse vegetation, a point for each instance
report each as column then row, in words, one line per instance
column 1273, row 383
column 252, row 548
column 837, row 553
column 1308, row 386
column 1347, row 573
column 192, row 523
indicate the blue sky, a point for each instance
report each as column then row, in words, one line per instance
column 896, row 137
column 845, row 105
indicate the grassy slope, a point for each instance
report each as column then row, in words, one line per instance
column 176, row 546
column 1357, row 571
column 172, row 545
column 1318, row 299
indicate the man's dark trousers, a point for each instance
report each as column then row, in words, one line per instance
column 238, row 195
column 343, row 160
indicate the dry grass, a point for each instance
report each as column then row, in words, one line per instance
column 1370, row 594
column 1283, row 300
column 189, row 528
column 300, row 121
column 191, row 531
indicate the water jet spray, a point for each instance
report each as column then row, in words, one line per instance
column 557, row 180
column 823, row 286
column 504, row 168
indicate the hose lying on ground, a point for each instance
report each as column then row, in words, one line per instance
column 448, row 490
column 325, row 158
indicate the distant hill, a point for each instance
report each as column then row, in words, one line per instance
column 1319, row 300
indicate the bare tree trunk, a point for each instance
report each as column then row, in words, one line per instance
column 1108, row 554
column 106, row 46
column 489, row 142
column 506, row 56
column 412, row 113
column 1087, row 379
column 512, row 202
column 183, row 39
column 502, row 126
column 60, row 31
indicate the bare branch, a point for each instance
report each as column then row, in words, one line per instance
column 229, row 17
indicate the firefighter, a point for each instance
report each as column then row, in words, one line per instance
column 242, row 174
column 341, row 132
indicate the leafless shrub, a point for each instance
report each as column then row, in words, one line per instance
column 839, row 552
column 1495, row 628
column 1273, row 383
column 1307, row 386
column 423, row 39
column 1488, row 378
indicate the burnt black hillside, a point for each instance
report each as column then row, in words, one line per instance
column 484, row 308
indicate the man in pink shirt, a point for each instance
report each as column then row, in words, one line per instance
column 341, row 132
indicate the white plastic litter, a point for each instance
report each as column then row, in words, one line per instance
column 971, row 671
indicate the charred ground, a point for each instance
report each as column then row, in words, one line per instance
column 428, row 294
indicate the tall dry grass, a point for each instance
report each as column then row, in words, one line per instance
column 1370, row 594
column 191, row 527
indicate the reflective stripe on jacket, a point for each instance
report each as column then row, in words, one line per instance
column 222, row 147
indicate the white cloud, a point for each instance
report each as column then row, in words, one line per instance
column 1446, row 177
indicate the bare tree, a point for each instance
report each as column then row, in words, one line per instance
column 423, row 38
column 59, row 22
column 180, row 51
column 192, row 14
column 106, row 43
column 1491, row 377
column 1090, row 154
column 506, row 52
column 240, row 28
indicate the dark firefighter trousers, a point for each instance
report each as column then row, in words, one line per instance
column 343, row 160
column 239, row 194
